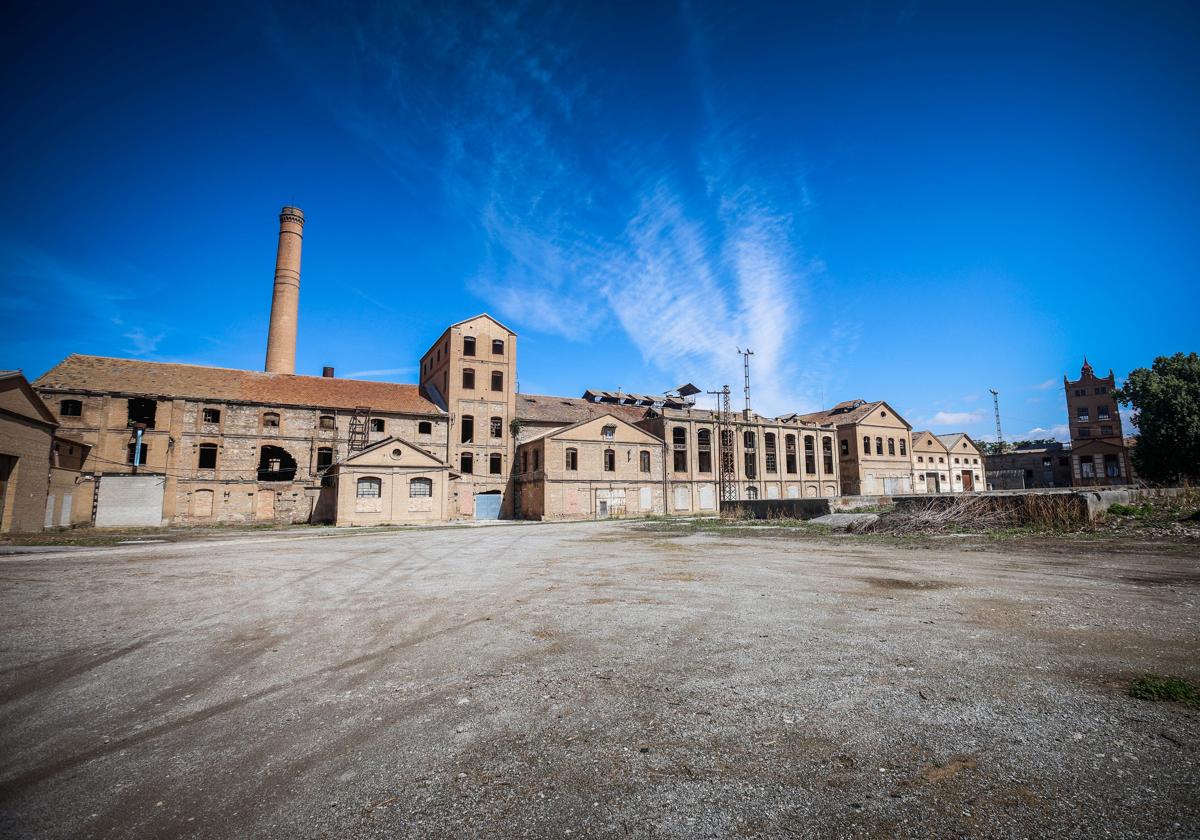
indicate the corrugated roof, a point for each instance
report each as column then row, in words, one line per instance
column 542, row 408
column 100, row 374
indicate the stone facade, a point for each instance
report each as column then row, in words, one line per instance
column 594, row 469
column 389, row 483
column 1099, row 456
column 873, row 443
column 26, row 444
column 930, row 464
column 967, row 471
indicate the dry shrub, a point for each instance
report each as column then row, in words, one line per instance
column 939, row 513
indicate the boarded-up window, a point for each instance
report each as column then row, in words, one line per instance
column 202, row 503
column 327, row 422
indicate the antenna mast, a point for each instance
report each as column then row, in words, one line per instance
column 996, row 406
column 746, row 354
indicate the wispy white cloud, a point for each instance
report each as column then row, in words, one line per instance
column 952, row 418
column 1060, row 432
column 368, row 374
column 142, row 344
column 1047, row 385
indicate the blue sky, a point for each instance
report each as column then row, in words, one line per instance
column 914, row 201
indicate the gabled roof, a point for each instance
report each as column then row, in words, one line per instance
column 392, row 441
column 849, row 411
column 102, row 375
column 608, row 415
column 924, row 438
column 542, row 408
column 476, row 317
column 951, row 440
column 35, row 409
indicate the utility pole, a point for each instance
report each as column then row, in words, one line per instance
column 726, row 458
column 996, row 406
column 746, row 354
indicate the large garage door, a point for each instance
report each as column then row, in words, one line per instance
column 129, row 501
column 487, row 505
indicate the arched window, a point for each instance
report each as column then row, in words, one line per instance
column 468, row 345
column 468, row 428
column 70, row 408
column 420, row 488
column 326, row 421
column 878, row 446
column 644, row 461
column 270, row 420
column 679, row 456
column 751, row 492
column 866, row 445
column 369, row 488
column 789, row 453
column 810, row 455
column 704, row 451
column 610, row 460
column 827, row 455
column 903, row 447
column 497, row 347
column 466, row 463
column 891, row 446
column 424, row 428
column 748, row 440
column 772, row 454
column 497, row 380
column 494, row 465
column 572, row 459
column 207, row 459
column 496, row 427
column 276, row 464
column 468, row 379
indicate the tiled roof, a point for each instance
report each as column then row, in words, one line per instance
column 839, row 415
column 540, row 408
column 99, row 374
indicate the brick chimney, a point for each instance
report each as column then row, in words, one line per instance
column 327, row 372
column 285, row 302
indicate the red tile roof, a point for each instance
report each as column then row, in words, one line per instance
column 102, row 375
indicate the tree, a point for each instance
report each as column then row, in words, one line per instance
column 1166, row 410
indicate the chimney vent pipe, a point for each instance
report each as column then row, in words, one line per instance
column 327, row 372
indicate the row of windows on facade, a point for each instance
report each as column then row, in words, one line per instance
column 1099, row 389
column 468, row 348
column 466, row 463
column 571, row 460
column 957, row 477
column 891, row 446
column 370, row 487
column 679, row 452
column 1084, row 431
column 143, row 411
column 942, row 460
column 1102, row 413
column 468, row 380
column 1087, row 466
column 467, row 427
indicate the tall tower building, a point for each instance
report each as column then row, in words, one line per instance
column 285, row 300
column 471, row 372
column 1098, row 453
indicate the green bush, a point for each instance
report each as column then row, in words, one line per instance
column 1154, row 688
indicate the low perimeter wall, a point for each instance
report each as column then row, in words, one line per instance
column 777, row 508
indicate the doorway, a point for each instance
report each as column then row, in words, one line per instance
column 487, row 505
column 932, row 483
column 968, row 481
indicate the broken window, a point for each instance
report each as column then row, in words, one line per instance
column 748, row 440
column 789, row 453
column 827, row 454
column 468, row 379
column 468, row 345
column 270, row 420
column 866, row 445
column 141, row 456
column 679, row 449
column 496, row 425
column 572, row 459
column 276, row 464
column 497, row 347
column 810, row 455
column 420, row 488
column 497, row 380
column 494, row 465
column 704, row 451
column 751, row 492
column 750, row 463
column 610, row 460
column 70, row 408
column 424, row 428
column 609, row 432
column 468, row 428
column 369, row 488
column 142, row 410
column 1087, row 467
column 326, row 421
column 903, row 447
column 878, row 446
column 891, row 446
column 208, row 457
column 644, row 461
column 845, row 448
column 377, row 425
column 324, row 458
column 466, row 463
column 211, row 415
column 772, row 453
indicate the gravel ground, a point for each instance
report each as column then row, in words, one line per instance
column 596, row 680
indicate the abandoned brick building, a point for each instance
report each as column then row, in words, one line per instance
column 1098, row 452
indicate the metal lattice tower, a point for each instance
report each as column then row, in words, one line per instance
column 726, row 457
column 746, row 354
column 359, row 428
column 996, row 406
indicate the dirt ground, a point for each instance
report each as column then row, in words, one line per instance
column 596, row 680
